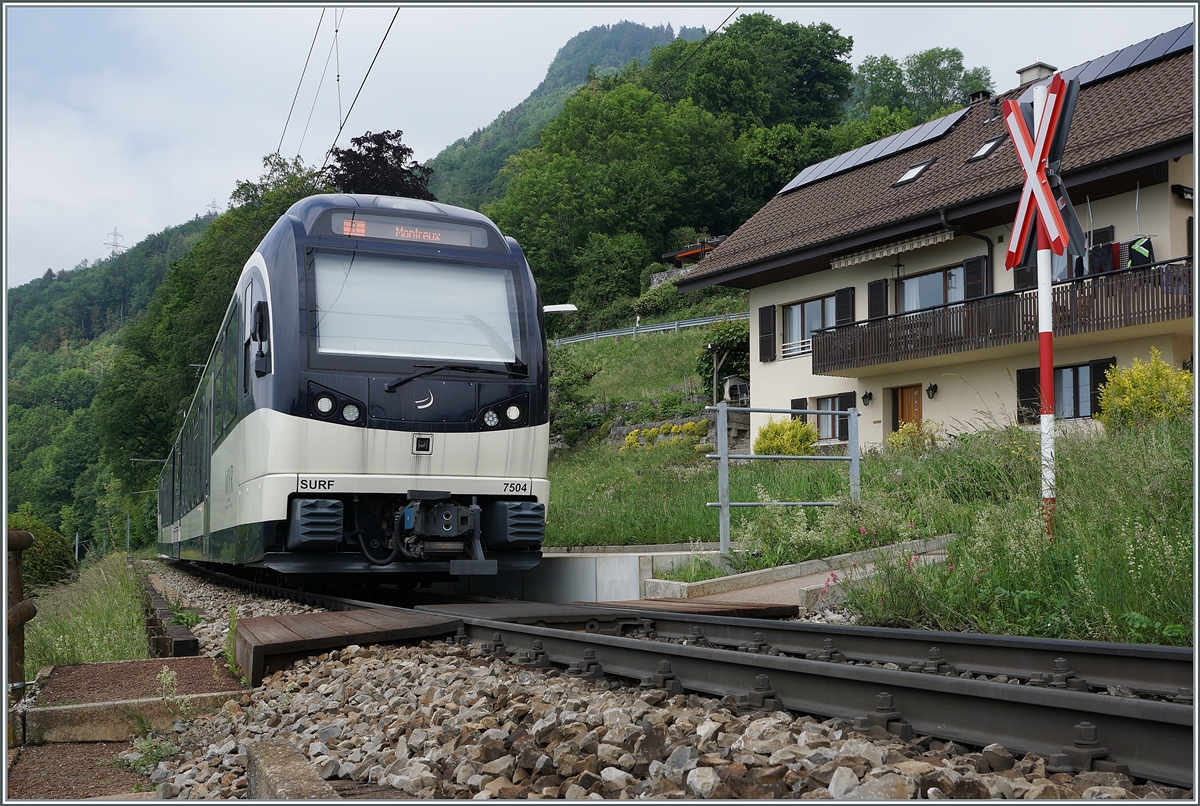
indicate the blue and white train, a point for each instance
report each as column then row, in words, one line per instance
column 375, row 404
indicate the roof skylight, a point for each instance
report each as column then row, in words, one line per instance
column 913, row 172
column 986, row 149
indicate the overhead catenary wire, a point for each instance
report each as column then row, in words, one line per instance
column 329, row 153
column 301, row 81
column 337, row 19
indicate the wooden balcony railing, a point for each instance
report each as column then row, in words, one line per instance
column 1137, row 296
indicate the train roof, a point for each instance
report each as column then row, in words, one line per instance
column 310, row 209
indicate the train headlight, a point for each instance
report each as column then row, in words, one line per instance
column 491, row 419
column 513, row 412
column 350, row 413
column 324, row 404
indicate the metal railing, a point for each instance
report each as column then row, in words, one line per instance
column 792, row 349
column 723, row 456
column 636, row 329
column 1133, row 296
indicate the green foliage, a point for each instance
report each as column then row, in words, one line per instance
column 96, row 618
column 936, row 79
column 659, row 300
column 379, row 164
column 915, row 439
column 607, row 268
column 1118, row 568
column 731, row 339
column 467, row 172
column 1145, row 392
column 51, row 559
column 698, row 569
column 229, row 651
column 790, row 437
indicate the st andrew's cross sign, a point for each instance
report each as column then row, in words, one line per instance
column 1039, row 134
column 1039, row 146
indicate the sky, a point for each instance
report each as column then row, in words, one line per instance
column 132, row 119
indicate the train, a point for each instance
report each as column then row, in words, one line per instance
column 375, row 405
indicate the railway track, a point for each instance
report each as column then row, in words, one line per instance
column 1082, row 705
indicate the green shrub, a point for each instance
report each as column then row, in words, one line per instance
column 662, row 298
column 645, row 413
column 914, row 438
column 51, row 558
column 786, row 438
column 1145, row 392
column 671, row 405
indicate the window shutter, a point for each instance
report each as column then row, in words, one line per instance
column 800, row 403
column 1024, row 277
column 845, row 305
column 976, row 275
column 845, row 402
column 1102, row 235
column 766, row 333
column 1099, row 367
column 1028, row 406
column 877, row 299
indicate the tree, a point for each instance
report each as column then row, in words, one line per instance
column 937, row 81
column 878, row 81
column 379, row 163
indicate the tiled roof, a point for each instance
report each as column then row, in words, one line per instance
column 1131, row 112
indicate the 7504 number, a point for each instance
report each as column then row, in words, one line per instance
column 516, row 487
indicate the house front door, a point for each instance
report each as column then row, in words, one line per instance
column 910, row 404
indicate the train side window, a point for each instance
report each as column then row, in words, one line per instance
column 218, row 394
column 262, row 335
column 231, row 373
column 248, row 300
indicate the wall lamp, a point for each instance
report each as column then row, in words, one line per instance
column 931, row 391
column 866, row 398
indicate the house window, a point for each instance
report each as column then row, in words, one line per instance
column 803, row 319
column 932, row 289
column 1076, row 390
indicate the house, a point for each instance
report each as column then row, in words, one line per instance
column 877, row 277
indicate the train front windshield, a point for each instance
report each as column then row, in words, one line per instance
column 380, row 306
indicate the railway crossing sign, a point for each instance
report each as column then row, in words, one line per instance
column 1039, row 145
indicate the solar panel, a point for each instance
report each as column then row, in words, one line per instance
column 930, row 130
column 1163, row 44
column 1095, row 68
column 1117, row 62
column 1125, row 58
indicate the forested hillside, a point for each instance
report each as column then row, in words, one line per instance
column 467, row 172
column 65, row 330
column 695, row 140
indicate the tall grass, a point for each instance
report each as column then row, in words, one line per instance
column 643, row 368
column 1117, row 568
column 97, row 617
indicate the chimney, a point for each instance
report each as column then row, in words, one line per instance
column 979, row 95
column 1035, row 72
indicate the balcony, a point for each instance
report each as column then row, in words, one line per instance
column 1143, row 295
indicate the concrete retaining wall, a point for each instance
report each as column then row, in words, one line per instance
column 667, row 589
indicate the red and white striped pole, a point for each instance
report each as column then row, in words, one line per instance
column 1045, row 346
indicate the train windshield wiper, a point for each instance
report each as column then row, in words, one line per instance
column 429, row 369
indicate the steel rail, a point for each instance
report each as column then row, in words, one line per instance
column 1152, row 739
column 1073, row 729
column 1159, row 670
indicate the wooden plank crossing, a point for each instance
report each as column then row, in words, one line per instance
column 703, row 608
column 257, row 638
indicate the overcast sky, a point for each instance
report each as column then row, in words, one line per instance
column 137, row 118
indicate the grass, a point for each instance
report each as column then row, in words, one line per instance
column 643, row 368
column 1119, row 567
column 97, row 617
